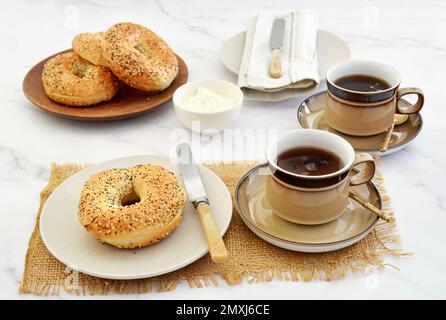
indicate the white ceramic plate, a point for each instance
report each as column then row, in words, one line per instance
column 331, row 50
column 71, row 244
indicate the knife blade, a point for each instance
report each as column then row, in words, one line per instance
column 277, row 33
column 191, row 176
column 197, row 195
column 276, row 45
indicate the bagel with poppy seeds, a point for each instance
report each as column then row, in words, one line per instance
column 133, row 207
column 71, row 80
column 139, row 57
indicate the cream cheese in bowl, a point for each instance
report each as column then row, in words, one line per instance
column 208, row 106
column 205, row 100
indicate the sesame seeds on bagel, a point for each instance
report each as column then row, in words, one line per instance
column 139, row 57
column 131, row 207
column 71, row 80
column 89, row 46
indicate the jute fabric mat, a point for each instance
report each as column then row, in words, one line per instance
column 252, row 259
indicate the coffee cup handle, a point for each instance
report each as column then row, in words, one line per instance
column 412, row 108
column 363, row 169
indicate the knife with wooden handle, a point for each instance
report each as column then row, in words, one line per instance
column 197, row 195
column 276, row 45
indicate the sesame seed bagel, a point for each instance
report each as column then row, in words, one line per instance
column 131, row 207
column 139, row 57
column 89, row 46
column 71, row 80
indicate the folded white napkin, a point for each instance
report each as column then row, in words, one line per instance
column 300, row 67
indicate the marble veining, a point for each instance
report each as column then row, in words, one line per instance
column 407, row 34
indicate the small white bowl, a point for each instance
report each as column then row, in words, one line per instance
column 208, row 122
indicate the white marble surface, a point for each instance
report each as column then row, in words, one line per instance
column 406, row 34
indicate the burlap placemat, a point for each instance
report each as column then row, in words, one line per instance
column 251, row 258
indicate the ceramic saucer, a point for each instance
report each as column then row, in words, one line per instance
column 330, row 49
column 71, row 244
column 310, row 114
column 352, row 226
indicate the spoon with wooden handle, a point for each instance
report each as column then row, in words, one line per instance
column 383, row 215
column 197, row 195
column 397, row 120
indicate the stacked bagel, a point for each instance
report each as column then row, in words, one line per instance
column 126, row 52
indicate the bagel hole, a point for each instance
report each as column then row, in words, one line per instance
column 130, row 199
column 142, row 49
column 80, row 70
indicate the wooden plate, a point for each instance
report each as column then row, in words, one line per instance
column 127, row 103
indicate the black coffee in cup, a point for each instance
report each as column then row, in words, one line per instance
column 309, row 161
column 362, row 83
